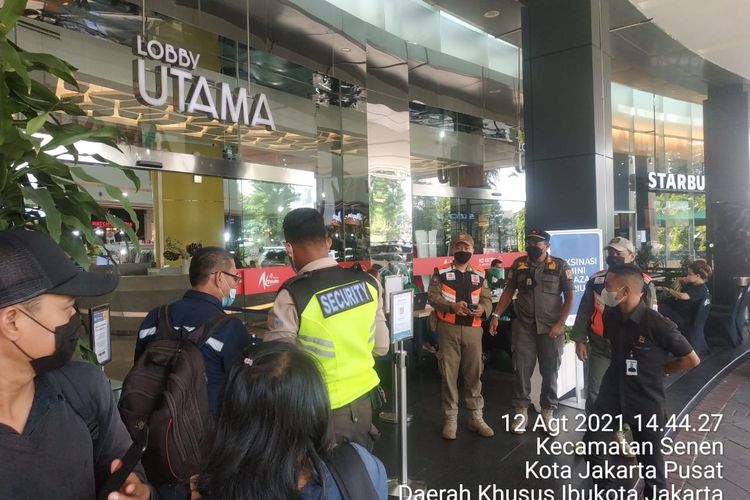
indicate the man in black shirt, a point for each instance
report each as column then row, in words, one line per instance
column 641, row 339
column 60, row 432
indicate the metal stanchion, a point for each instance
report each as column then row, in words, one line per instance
column 402, row 487
column 391, row 417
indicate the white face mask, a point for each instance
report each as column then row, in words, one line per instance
column 610, row 298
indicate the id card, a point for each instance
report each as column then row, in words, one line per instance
column 631, row 367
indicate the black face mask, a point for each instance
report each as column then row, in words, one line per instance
column 66, row 339
column 462, row 257
column 534, row 252
column 615, row 260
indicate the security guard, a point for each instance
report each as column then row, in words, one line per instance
column 336, row 315
column 460, row 296
column 641, row 340
column 538, row 329
column 588, row 330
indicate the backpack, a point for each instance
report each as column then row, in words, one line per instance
column 167, row 391
column 350, row 473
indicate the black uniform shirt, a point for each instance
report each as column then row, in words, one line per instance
column 57, row 457
column 648, row 338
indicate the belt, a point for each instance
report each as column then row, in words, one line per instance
column 350, row 403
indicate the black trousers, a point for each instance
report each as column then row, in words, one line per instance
column 353, row 423
column 608, row 403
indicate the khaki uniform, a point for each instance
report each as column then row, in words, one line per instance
column 538, row 306
column 460, row 338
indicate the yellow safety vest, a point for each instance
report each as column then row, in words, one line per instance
column 336, row 309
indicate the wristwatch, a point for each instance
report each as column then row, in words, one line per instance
column 495, row 315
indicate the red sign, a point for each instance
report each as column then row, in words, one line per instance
column 426, row 266
column 264, row 279
column 270, row 279
column 104, row 223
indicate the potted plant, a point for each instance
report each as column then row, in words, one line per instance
column 173, row 251
column 40, row 188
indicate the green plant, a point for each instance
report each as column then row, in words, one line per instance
column 646, row 258
column 173, row 250
column 38, row 190
column 193, row 248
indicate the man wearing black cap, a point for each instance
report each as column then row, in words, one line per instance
column 538, row 329
column 60, row 431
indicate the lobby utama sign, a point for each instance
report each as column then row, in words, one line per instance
column 192, row 93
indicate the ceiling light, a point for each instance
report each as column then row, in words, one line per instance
column 491, row 13
column 345, row 49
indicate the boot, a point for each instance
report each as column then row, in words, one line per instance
column 521, row 417
column 478, row 425
column 449, row 427
column 550, row 426
column 625, row 449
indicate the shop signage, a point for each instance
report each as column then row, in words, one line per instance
column 269, row 279
column 192, row 93
column 660, row 181
column 265, row 279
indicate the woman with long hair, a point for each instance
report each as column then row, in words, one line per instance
column 273, row 432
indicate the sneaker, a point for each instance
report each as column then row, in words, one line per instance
column 449, row 428
column 521, row 417
column 626, row 450
column 548, row 420
column 478, row 425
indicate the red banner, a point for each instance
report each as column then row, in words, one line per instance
column 426, row 266
column 270, row 279
column 264, row 279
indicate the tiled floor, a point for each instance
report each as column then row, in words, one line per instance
column 501, row 461
column 471, row 461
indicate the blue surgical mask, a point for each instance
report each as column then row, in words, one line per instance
column 227, row 301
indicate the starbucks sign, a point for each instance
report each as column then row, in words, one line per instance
column 192, row 93
column 659, row 181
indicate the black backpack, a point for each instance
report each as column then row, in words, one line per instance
column 350, row 473
column 167, row 391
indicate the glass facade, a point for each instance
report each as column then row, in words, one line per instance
column 399, row 140
column 656, row 139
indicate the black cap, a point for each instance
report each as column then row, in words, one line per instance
column 537, row 234
column 31, row 264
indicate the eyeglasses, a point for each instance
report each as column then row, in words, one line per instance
column 237, row 278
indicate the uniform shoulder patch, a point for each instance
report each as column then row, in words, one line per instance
column 520, row 263
column 598, row 280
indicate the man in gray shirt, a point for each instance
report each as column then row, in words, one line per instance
column 60, row 432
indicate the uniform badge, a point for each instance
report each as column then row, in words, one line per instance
column 474, row 279
column 641, row 339
column 569, row 274
column 529, row 282
column 450, row 276
column 552, row 266
column 522, row 265
column 599, row 280
column 631, row 367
